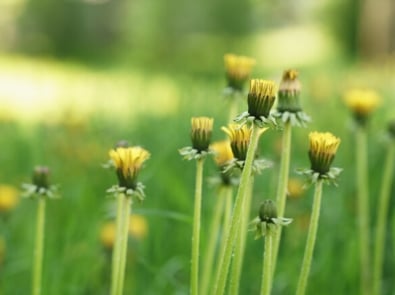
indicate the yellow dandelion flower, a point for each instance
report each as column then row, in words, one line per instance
column 138, row 226
column 239, row 137
column 261, row 97
column 107, row 234
column 323, row 147
column 128, row 162
column 223, row 152
column 361, row 103
column 295, row 188
column 202, row 128
column 9, row 198
column 238, row 70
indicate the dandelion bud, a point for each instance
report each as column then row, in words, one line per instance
column 361, row 103
column 323, row 147
column 239, row 137
column 289, row 92
column 261, row 97
column 201, row 133
column 41, row 177
column 238, row 70
column 267, row 211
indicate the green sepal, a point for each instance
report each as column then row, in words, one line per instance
column 32, row 191
column 312, row 177
column 137, row 193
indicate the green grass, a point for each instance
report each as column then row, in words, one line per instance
column 76, row 263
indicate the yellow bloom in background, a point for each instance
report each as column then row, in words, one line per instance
column 138, row 226
column 261, row 97
column 128, row 162
column 238, row 70
column 9, row 198
column 223, row 152
column 361, row 103
column 107, row 234
column 239, row 137
column 202, row 128
column 322, row 150
column 295, row 188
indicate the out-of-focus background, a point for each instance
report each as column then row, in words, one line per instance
column 76, row 76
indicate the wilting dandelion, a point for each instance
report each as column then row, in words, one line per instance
column 200, row 136
column 322, row 151
column 128, row 162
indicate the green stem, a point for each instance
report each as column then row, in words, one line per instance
column 363, row 209
column 237, row 263
column 127, row 203
column 234, row 101
column 267, row 264
column 213, row 239
column 39, row 247
column 117, row 245
column 282, row 187
column 308, row 252
column 226, row 256
column 196, row 228
column 382, row 219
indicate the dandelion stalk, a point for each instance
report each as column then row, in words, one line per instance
column 237, row 211
column 127, row 201
column 39, row 247
column 116, row 256
column 363, row 209
column 311, row 237
column 196, row 228
column 267, row 264
column 282, row 185
column 382, row 219
column 213, row 239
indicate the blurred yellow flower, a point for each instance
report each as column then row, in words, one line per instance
column 128, row 162
column 323, row 147
column 9, row 198
column 362, row 103
column 295, row 188
column 223, row 152
column 238, row 69
column 138, row 226
column 107, row 234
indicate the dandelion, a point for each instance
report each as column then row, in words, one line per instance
column 200, row 136
column 108, row 234
column 128, row 162
column 265, row 225
column 295, row 188
column 361, row 103
column 138, row 227
column 322, row 151
column 9, row 198
column 238, row 70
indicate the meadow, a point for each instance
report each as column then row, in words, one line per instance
column 68, row 116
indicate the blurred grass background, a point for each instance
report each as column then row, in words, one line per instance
column 78, row 76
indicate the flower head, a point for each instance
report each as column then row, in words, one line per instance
column 8, row 198
column 239, row 137
column 40, row 185
column 361, row 103
column 238, row 70
column 41, row 177
column 107, row 234
column 128, row 163
column 201, row 133
column 261, row 98
column 288, row 92
column 138, row 226
column 322, row 150
column 222, row 152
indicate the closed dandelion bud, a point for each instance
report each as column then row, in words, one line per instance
column 201, row 133
column 391, row 129
column 238, row 70
column 322, row 150
column 239, row 137
column 128, row 163
column 267, row 211
column 261, row 98
column 289, row 92
column 361, row 103
column 41, row 177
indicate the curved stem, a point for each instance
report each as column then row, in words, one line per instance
column 117, row 245
column 282, row 187
column 39, row 247
column 196, row 228
column 267, row 264
column 231, row 235
column 382, row 219
column 237, row 263
column 311, row 237
column 363, row 209
column 126, row 208
column 213, row 239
